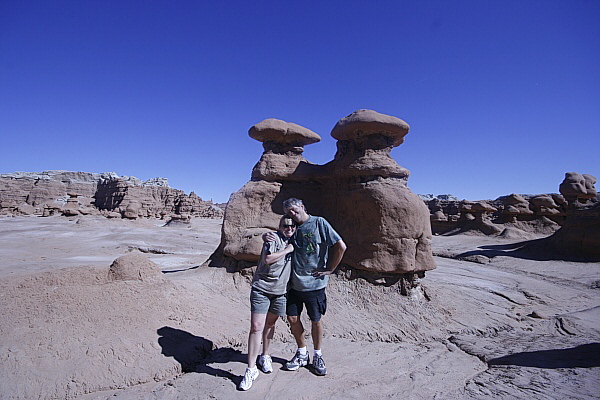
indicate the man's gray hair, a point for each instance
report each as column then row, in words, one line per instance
column 292, row 202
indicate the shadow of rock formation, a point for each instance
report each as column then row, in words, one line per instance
column 584, row 356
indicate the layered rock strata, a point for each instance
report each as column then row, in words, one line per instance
column 362, row 192
column 80, row 193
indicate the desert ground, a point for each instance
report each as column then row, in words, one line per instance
column 496, row 321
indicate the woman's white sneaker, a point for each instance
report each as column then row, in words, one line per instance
column 250, row 375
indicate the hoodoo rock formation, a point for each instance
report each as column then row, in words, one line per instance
column 540, row 214
column 571, row 218
column 580, row 234
column 80, row 193
column 362, row 192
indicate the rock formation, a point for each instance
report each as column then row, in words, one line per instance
column 571, row 218
column 539, row 214
column 79, row 193
column 580, row 234
column 362, row 192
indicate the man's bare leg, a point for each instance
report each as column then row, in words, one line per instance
column 317, row 334
column 297, row 330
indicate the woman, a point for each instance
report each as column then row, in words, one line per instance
column 267, row 299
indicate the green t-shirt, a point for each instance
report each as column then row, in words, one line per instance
column 273, row 278
column 311, row 241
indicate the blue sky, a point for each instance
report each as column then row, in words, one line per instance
column 502, row 96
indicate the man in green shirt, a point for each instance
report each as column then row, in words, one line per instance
column 318, row 250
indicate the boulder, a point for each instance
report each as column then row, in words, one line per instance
column 132, row 211
column 133, row 267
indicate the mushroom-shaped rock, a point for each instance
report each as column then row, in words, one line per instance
column 519, row 205
column 278, row 131
column 438, row 216
column 545, row 205
column 132, row 267
column 363, row 123
column 465, row 206
column 132, row 210
column 590, row 181
column 365, row 140
column 573, row 186
column 483, row 207
column 283, row 144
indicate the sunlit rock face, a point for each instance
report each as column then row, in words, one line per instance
column 385, row 225
column 257, row 206
column 362, row 192
column 80, row 193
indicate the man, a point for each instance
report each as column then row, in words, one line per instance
column 318, row 249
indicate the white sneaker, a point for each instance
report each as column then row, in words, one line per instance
column 265, row 364
column 250, row 375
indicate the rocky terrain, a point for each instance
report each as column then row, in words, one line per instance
column 81, row 193
column 75, row 323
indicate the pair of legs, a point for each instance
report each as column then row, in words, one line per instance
column 316, row 305
column 262, row 326
column 298, row 331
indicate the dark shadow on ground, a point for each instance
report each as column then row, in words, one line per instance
column 196, row 354
column 584, row 356
column 537, row 249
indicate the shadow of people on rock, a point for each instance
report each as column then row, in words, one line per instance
column 584, row 356
column 187, row 349
column 195, row 353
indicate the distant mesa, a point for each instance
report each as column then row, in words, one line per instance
column 81, row 193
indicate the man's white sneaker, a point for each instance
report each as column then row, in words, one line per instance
column 265, row 364
column 250, row 375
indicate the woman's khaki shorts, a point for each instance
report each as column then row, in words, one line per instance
column 261, row 303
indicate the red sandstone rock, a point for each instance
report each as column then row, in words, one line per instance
column 362, row 192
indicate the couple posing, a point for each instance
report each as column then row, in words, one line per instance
column 297, row 256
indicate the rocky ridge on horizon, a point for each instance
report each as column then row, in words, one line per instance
column 72, row 193
column 570, row 219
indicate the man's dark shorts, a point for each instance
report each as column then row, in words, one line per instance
column 315, row 301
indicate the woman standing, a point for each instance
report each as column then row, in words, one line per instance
column 267, row 299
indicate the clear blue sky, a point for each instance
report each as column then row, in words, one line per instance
column 502, row 96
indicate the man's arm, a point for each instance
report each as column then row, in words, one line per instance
column 278, row 255
column 335, row 256
column 269, row 237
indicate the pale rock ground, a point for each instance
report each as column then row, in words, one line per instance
column 68, row 332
